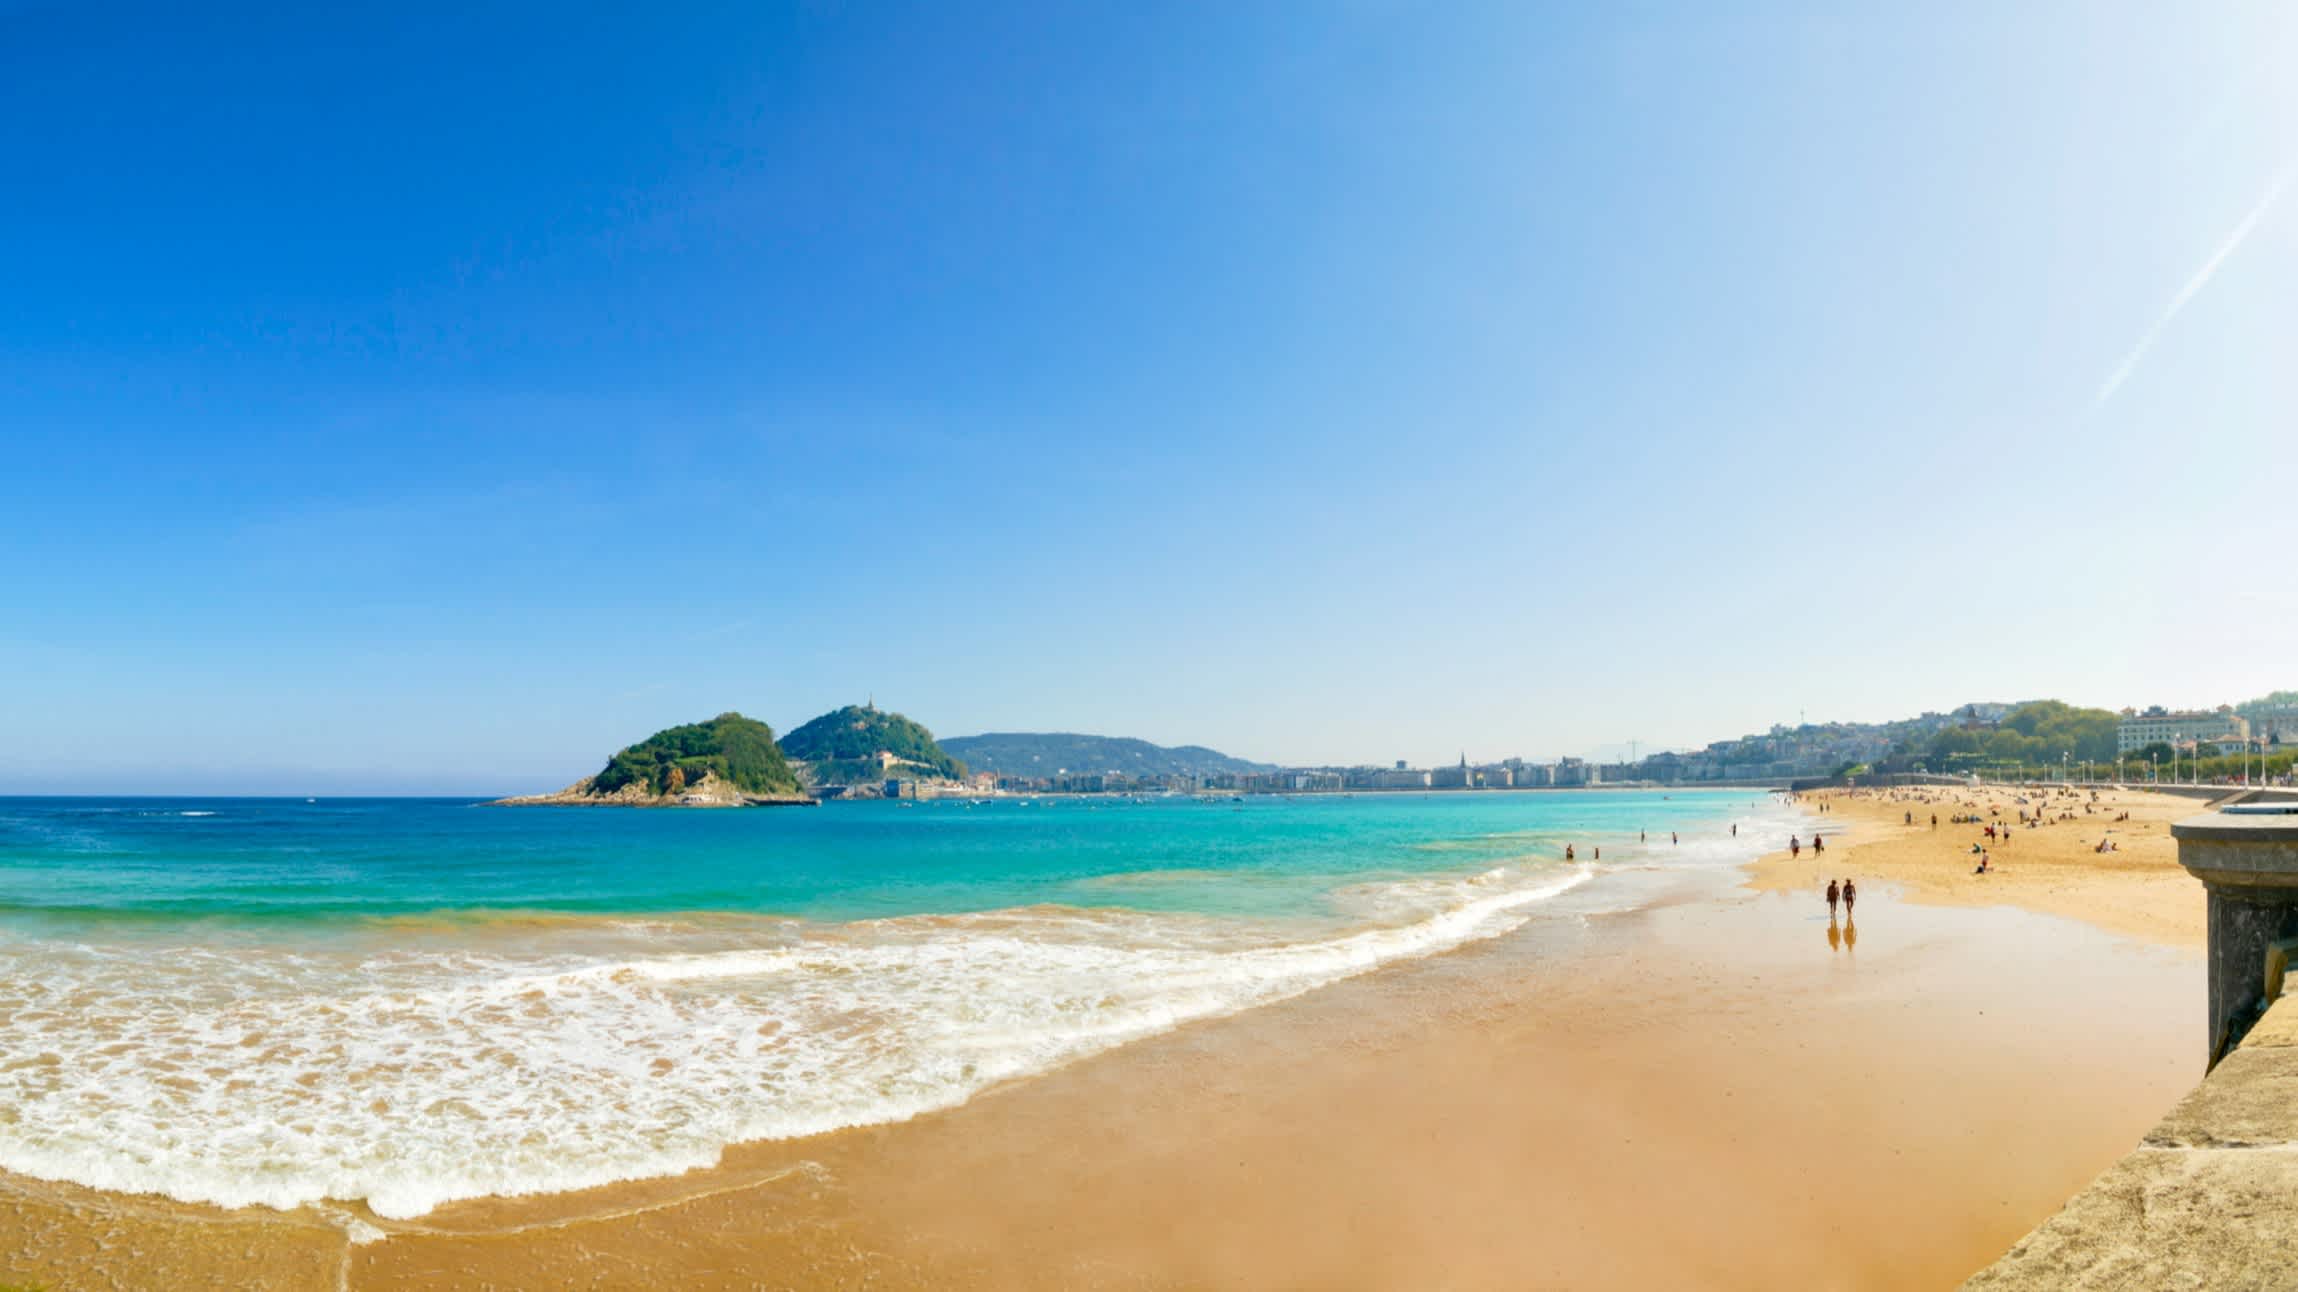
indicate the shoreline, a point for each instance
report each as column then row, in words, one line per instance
column 1508, row 1112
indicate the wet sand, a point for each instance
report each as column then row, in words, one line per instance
column 1721, row 1091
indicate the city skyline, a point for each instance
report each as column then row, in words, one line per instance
column 1601, row 758
column 440, row 402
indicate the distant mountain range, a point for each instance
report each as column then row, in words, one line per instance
column 1054, row 753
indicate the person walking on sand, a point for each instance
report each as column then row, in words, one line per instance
column 1833, row 893
column 1567, row 852
column 1794, row 846
column 1850, row 896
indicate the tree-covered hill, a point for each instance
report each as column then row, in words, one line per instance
column 740, row 751
column 842, row 746
column 2035, row 734
column 1054, row 753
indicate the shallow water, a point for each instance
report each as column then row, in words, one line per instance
column 411, row 1001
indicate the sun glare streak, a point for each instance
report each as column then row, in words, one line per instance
column 2194, row 285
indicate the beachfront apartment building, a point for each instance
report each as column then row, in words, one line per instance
column 2157, row 725
column 1396, row 778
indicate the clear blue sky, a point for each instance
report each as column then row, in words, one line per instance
column 438, row 397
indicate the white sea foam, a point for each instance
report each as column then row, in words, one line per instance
column 409, row 1078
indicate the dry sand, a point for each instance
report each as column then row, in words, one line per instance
column 2136, row 890
column 1722, row 1092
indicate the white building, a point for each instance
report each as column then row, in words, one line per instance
column 2158, row 724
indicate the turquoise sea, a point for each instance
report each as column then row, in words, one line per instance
column 402, row 1002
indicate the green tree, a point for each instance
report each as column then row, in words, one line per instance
column 844, row 744
column 2039, row 734
column 740, row 751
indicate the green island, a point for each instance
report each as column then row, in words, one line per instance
column 862, row 743
column 729, row 761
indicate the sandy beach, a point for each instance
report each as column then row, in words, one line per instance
column 1726, row 1090
column 2052, row 865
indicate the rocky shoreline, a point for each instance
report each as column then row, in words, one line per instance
column 709, row 792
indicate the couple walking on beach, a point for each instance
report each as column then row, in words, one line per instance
column 1847, row 891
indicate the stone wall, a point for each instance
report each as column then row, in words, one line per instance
column 2209, row 1199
